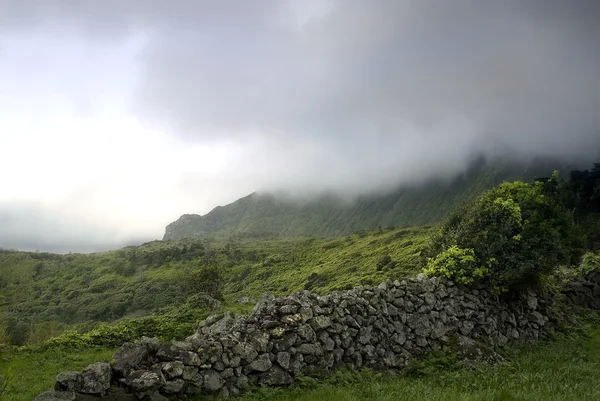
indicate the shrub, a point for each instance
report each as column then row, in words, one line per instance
column 457, row 264
column 589, row 264
column 508, row 237
column 206, row 279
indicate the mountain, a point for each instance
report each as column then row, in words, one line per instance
column 269, row 215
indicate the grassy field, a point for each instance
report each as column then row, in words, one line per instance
column 31, row 372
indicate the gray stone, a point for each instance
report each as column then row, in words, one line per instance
column 173, row 386
column 212, row 380
column 246, row 351
column 276, row 376
column 96, row 378
column 152, row 344
column 69, row 381
column 173, row 369
column 532, row 302
column 260, row 364
column 537, row 318
column 466, row 327
column 310, row 349
column 129, row 357
column 429, row 298
column 55, row 396
column 143, row 381
column 320, row 322
column 283, row 359
column 245, row 300
column 189, row 372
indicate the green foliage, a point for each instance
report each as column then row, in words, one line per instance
column 206, row 279
column 509, row 237
column 457, row 264
column 589, row 264
column 75, row 293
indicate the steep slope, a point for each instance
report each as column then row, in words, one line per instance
column 267, row 215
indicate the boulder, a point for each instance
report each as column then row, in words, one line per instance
column 96, row 378
column 69, row 381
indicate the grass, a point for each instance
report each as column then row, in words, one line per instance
column 566, row 368
column 33, row 371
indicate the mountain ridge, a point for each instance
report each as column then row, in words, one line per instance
column 270, row 215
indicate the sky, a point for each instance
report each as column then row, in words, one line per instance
column 116, row 117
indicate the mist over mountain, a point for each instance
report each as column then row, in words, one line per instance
column 280, row 215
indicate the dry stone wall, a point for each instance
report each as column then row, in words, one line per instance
column 380, row 327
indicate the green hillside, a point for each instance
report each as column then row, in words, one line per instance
column 262, row 215
column 47, row 294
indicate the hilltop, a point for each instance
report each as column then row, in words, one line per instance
column 261, row 215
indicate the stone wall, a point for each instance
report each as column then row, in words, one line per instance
column 381, row 327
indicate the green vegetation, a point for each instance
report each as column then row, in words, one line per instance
column 71, row 310
column 563, row 369
column 589, row 264
column 153, row 289
column 508, row 238
column 33, row 371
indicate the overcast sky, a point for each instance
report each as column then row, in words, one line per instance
column 116, row 117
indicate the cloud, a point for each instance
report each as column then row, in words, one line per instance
column 311, row 95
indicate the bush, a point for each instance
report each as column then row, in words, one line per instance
column 589, row 264
column 457, row 264
column 508, row 238
column 207, row 279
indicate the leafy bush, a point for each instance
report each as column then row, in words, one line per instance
column 206, row 279
column 589, row 264
column 508, row 237
column 457, row 264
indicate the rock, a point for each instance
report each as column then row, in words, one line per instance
column 538, row 318
column 532, row 302
column 173, row 369
column 96, row 378
column 310, row 349
column 143, row 381
column 69, row 381
column 246, row 351
column 320, row 322
column 220, row 327
column 246, row 300
column 276, row 376
column 189, row 372
column 152, row 344
column 283, row 359
column 129, row 357
column 466, row 327
column 364, row 335
column 429, row 298
column 173, row 386
column 212, row 380
column 260, row 364
column 55, row 396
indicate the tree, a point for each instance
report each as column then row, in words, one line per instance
column 507, row 238
column 206, row 279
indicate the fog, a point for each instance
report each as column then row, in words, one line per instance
column 116, row 117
